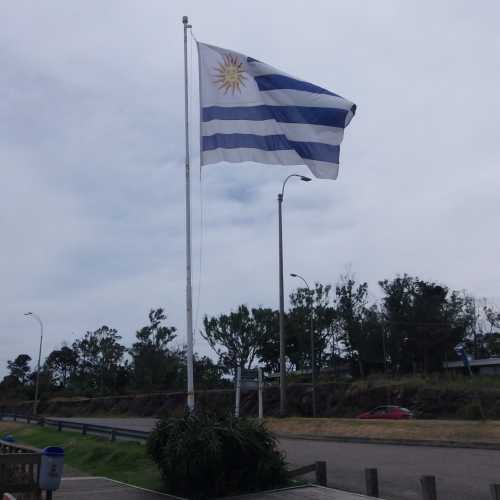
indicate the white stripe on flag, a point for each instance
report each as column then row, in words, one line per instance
column 293, row 131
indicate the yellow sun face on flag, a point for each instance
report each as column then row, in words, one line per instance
column 230, row 75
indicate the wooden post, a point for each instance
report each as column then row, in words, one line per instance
column 261, row 387
column 495, row 491
column 84, row 429
column 321, row 473
column 15, row 417
column 428, row 484
column 113, row 435
column 371, row 478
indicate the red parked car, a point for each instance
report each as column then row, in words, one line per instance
column 388, row 412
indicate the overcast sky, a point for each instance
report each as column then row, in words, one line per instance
column 91, row 158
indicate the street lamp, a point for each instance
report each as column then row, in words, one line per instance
column 282, row 296
column 35, row 404
column 313, row 357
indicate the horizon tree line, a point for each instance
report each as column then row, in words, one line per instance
column 414, row 328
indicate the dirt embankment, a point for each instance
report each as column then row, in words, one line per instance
column 334, row 400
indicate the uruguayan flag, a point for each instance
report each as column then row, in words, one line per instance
column 253, row 112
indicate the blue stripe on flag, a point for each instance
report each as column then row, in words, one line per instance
column 266, row 142
column 308, row 150
column 273, row 82
column 331, row 117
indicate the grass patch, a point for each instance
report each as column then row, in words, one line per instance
column 435, row 430
column 121, row 460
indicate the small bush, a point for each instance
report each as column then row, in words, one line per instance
column 471, row 411
column 204, row 456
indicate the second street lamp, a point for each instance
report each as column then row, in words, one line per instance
column 313, row 354
column 37, row 383
column 282, row 295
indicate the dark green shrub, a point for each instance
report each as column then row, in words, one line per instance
column 471, row 411
column 206, row 456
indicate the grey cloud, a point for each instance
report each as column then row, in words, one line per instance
column 91, row 157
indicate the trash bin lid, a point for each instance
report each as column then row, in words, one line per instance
column 9, row 438
column 53, row 451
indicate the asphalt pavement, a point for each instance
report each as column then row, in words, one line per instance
column 461, row 474
column 86, row 488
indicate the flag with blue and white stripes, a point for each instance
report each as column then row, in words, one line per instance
column 253, row 112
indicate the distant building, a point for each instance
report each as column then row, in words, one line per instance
column 486, row 366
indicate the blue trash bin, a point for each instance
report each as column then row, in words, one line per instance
column 51, row 469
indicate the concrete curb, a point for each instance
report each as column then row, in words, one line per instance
column 398, row 442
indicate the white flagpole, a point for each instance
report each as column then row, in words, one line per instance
column 189, row 294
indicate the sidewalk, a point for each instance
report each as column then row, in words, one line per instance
column 76, row 488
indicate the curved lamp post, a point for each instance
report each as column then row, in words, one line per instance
column 37, row 318
column 282, row 295
column 313, row 354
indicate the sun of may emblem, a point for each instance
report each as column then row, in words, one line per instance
column 230, row 75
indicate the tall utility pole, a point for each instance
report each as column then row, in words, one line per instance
column 189, row 293
column 313, row 353
column 282, row 295
column 37, row 383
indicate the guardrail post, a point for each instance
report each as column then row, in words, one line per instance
column 28, row 419
column 428, row 484
column 15, row 417
column 41, row 421
column 113, row 435
column 321, row 473
column 495, row 491
column 84, row 429
column 59, row 426
column 371, row 478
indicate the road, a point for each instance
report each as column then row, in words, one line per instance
column 461, row 474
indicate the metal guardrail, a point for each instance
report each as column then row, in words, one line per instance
column 85, row 428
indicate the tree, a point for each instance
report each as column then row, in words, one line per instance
column 398, row 319
column 425, row 322
column 62, row 363
column 233, row 337
column 99, row 356
column 299, row 324
column 266, row 327
column 153, row 363
column 19, row 368
column 351, row 307
column 207, row 375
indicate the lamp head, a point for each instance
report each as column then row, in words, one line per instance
column 305, row 179
column 28, row 314
column 293, row 275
